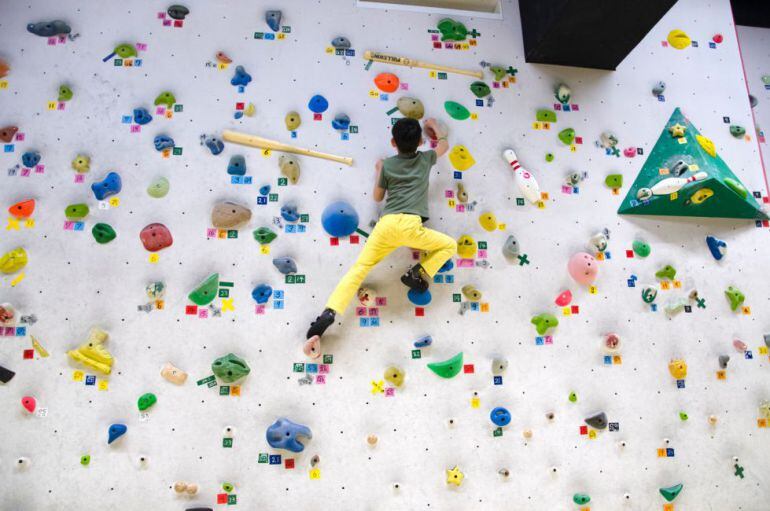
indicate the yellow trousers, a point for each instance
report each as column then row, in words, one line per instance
column 390, row 233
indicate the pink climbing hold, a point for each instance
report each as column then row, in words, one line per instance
column 564, row 299
column 312, row 347
column 629, row 152
column 29, row 403
column 583, row 268
column 740, row 345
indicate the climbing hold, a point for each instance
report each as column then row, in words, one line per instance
column 65, row 93
column 214, row 144
column 641, row 248
column 597, row 420
column 341, row 122
column 273, row 20
column 737, row 131
column 6, row 375
column 4, row 68
column 125, row 50
column 146, row 401
column 511, row 247
column 289, row 212
column 292, row 120
column 499, row 72
column 611, row 342
column 667, row 272
column 155, row 290
column 737, row 187
column 447, row 266
column 545, row 115
column 339, row 219
column 544, row 322
column 341, row 43
column 659, row 88
column 614, row 181
column 410, row 107
column 567, row 136
column 707, row 144
column 163, row 142
column 629, row 152
column 677, row 130
column 289, row 167
column 165, row 98
column 581, row 499
column 142, row 116
column 740, row 346
column 572, row 397
column 285, row 265
column 582, row 268
column 205, row 292
column 480, row 89
column 318, row 104
column 173, row 374
column 678, row 39
column 156, row 237
column 7, row 315
column 7, row 133
column 262, row 293
column 230, row 368
column 448, row 368
column 608, row 140
column 563, row 93
column 700, row 196
column 423, row 342
column 678, row 368
column 250, row 110
column 49, row 28
column 499, row 365
column 500, row 416
column 241, row 78
column 23, row 209
column 264, row 235
column 158, row 188
column 466, row 247
column 92, row 353
column 116, row 431
column 283, row 433
column 366, row 296
column 460, row 158
column 419, row 298
column 312, row 347
column 178, row 12
column 671, row 492
column 103, row 233
column 237, row 165
column 462, row 195
column 456, row 110
column 488, row 221
column 81, row 164
column 30, row 159
column 386, row 82
column 600, row 240
column 76, row 211
column 564, row 298
column 471, row 293
column 452, row 30
column 29, row 403
column 454, row 476
column 394, row 375
column 107, row 187
column 723, row 360
column 735, row 297
column 229, row 215
column 13, row 261
column 717, row 247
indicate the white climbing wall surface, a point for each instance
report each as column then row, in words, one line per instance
column 428, row 425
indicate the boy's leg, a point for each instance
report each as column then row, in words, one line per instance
column 440, row 247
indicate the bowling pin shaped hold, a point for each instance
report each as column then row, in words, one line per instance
column 29, row 403
column 524, row 179
column 674, row 184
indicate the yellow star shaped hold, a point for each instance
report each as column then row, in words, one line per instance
column 13, row 225
column 377, row 387
column 227, row 304
column 454, row 476
column 677, row 130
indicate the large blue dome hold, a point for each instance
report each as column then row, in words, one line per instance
column 339, row 219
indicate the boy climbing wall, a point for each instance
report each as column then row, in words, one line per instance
column 404, row 180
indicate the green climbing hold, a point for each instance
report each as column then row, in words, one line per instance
column 165, row 98
column 567, row 136
column 205, row 292
column 85, row 460
column 614, row 181
column 103, row 233
column 641, row 248
column 735, row 297
column 146, row 401
column 737, row 131
column 543, row 322
column 76, row 211
column 737, row 187
column 228, row 487
column 667, row 272
column 549, row 157
column 480, row 89
column 158, row 188
column 264, row 235
column 65, row 93
column 581, row 499
column 452, row 30
column 448, row 368
column 230, row 368
column 125, row 51
column 671, row 492
column 572, row 397
column 456, row 111
column 546, row 115
column 683, row 416
column 499, row 72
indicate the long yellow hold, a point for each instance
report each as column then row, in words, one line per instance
column 92, row 353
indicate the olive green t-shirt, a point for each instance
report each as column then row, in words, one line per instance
column 405, row 177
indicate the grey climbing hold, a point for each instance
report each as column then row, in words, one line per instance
column 273, row 19
column 285, row 265
column 659, row 89
column 723, row 360
column 237, row 165
column 341, row 43
column 597, row 421
column 49, row 28
column 6, row 375
column 511, row 247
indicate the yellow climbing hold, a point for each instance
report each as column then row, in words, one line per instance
column 678, row 369
column 454, row 476
column 461, row 158
column 702, row 195
column 13, row 261
column 488, row 221
column 678, row 39
column 707, row 144
column 466, row 247
column 92, row 353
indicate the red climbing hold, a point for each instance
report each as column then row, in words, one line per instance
column 29, row 403
column 23, row 209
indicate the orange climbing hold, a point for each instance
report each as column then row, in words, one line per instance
column 23, row 209
column 386, row 82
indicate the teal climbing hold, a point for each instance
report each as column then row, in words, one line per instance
column 671, row 492
column 456, row 110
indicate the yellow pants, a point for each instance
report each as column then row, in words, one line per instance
column 390, row 233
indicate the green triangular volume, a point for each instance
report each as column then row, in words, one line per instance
column 719, row 195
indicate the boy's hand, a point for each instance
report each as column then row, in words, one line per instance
column 433, row 129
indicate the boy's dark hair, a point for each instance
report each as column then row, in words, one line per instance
column 407, row 133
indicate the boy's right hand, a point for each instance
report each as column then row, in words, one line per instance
column 433, row 129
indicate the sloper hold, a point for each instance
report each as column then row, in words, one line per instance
column 156, row 237
column 13, row 261
column 107, row 187
column 230, row 368
column 229, row 215
column 339, row 219
column 23, row 209
column 671, row 492
column 49, row 28
column 285, row 265
column 92, row 353
column 283, row 434
column 7, row 133
column 116, row 431
column 273, row 19
column 205, row 292
column 448, row 368
column 178, row 12
column 597, row 420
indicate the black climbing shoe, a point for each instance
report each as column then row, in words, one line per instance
column 321, row 323
column 416, row 279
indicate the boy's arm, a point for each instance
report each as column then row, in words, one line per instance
column 379, row 192
column 440, row 134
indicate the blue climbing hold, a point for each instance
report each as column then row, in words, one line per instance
column 241, row 78
column 273, row 19
column 717, row 247
column 341, row 122
column 107, row 187
column 500, row 416
column 318, row 104
column 215, row 145
column 419, row 298
column 423, row 342
column 289, row 213
column 339, row 219
column 163, row 142
column 237, row 165
column 262, row 293
column 142, row 116
column 447, row 266
column 264, row 190
column 283, row 433
column 116, row 431
column 30, row 159
column 285, row 265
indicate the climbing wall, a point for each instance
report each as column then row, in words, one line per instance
column 374, row 445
